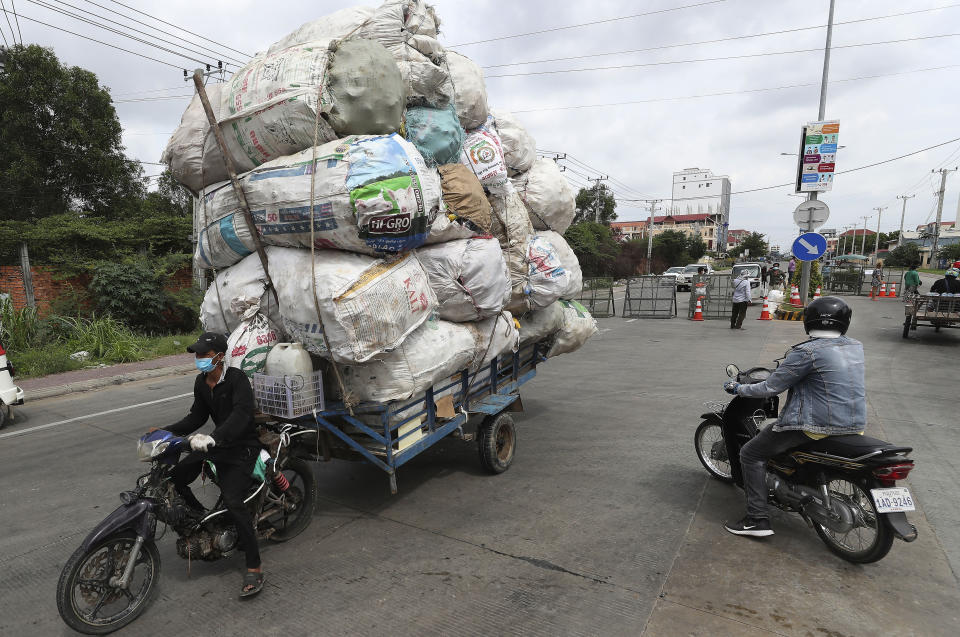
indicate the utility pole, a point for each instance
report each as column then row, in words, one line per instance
column 596, row 186
column 903, row 214
column 940, row 194
column 653, row 205
column 805, row 265
column 863, row 244
column 876, row 248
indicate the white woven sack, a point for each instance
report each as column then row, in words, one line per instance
column 550, row 200
column 470, row 90
column 539, row 324
column 578, row 326
column 249, row 344
column 483, row 154
column 519, row 147
column 245, row 280
column 469, row 276
column 568, row 259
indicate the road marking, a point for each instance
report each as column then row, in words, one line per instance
column 102, row 413
column 630, row 320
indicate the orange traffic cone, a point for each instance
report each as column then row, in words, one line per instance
column 816, row 295
column 795, row 297
column 883, row 289
column 698, row 312
column 765, row 314
column 893, row 291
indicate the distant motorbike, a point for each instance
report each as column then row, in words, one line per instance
column 108, row 581
column 843, row 486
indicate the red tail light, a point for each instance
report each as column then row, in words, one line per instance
column 891, row 473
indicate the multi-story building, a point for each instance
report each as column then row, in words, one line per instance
column 698, row 191
column 734, row 237
column 703, row 225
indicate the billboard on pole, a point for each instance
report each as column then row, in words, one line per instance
column 818, row 155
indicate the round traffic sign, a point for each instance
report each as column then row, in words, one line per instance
column 811, row 214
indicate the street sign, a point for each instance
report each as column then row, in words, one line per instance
column 810, row 215
column 809, row 246
column 818, row 153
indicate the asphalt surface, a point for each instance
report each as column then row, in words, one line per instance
column 606, row 524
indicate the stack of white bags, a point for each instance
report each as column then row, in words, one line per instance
column 434, row 240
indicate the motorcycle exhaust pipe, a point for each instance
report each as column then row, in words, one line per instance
column 836, row 516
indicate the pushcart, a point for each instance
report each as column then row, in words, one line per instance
column 931, row 310
column 473, row 406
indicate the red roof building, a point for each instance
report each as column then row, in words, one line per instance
column 703, row 225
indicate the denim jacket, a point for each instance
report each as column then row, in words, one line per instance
column 825, row 379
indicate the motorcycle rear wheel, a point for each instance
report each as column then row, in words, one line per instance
column 298, row 502
column 86, row 575
column 706, row 440
column 871, row 540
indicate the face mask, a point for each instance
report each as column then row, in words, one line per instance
column 205, row 364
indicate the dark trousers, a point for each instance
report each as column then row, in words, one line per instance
column 739, row 312
column 753, row 461
column 234, row 479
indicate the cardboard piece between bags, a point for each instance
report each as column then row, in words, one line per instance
column 445, row 408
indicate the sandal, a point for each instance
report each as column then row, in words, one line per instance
column 254, row 581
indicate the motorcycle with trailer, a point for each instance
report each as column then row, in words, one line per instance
column 844, row 486
column 109, row 580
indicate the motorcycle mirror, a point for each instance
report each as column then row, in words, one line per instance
column 732, row 370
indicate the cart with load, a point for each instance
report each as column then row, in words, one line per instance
column 470, row 405
column 932, row 310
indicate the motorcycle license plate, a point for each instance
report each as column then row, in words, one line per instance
column 892, row 500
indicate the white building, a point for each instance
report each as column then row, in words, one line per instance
column 699, row 191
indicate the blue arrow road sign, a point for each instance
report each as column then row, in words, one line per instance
column 809, row 246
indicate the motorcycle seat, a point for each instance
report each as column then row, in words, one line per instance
column 851, row 446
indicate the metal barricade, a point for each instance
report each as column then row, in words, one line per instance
column 893, row 276
column 597, row 297
column 843, row 279
column 651, row 296
column 715, row 292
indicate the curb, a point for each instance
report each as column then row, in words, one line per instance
column 106, row 381
column 788, row 315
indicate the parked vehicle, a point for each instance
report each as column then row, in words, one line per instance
column 691, row 270
column 752, row 271
column 843, row 486
column 109, row 580
column 677, row 273
column 10, row 394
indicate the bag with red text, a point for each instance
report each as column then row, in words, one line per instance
column 249, row 344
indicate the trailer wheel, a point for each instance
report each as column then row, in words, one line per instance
column 906, row 327
column 497, row 439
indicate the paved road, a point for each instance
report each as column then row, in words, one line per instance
column 606, row 524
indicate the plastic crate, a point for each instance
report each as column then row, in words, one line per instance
column 288, row 396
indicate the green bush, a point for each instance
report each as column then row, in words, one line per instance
column 816, row 277
column 19, row 329
column 182, row 313
column 40, row 361
column 106, row 339
column 131, row 292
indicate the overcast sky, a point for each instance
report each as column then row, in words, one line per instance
column 741, row 135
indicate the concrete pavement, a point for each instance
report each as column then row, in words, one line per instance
column 605, row 524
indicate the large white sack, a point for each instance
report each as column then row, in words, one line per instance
column 539, row 276
column 447, row 227
column 578, row 326
column 519, row 147
column 568, row 259
column 245, row 280
column 338, row 24
column 367, row 91
column 469, row 276
column 368, row 306
column 483, row 154
column 249, row 344
column 192, row 152
column 510, row 221
column 434, row 352
column 539, row 324
column 550, row 200
column 372, row 194
column 470, row 90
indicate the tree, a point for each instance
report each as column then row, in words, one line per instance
column 587, row 209
column 696, row 248
column 754, row 243
column 948, row 253
column 903, row 256
column 61, row 140
column 816, row 277
column 595, row 247
column 670, row 248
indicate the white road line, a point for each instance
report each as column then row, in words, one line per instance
column 102, row 413
column 630, row 320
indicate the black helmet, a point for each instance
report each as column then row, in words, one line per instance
column 827, row 313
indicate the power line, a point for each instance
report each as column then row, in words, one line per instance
column 153, row 99
column 13, row 4
column 12, row 33
column 117, row 31
column 220, row 44
column 86, row 37
column 218, row 53
column 721, row 58
column 583, row 24
column 724, row 93
column 728, row 39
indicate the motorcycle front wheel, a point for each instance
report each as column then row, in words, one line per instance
column 712, row 450
column 87, row 599
column 871, row 537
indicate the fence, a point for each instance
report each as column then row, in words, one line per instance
column 652, row 296
column 597, row 297
column 855, row 280
column 715, row 292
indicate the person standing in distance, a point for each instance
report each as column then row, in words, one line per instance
column 741, row 298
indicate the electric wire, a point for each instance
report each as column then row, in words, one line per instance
column 220, row 44
column 718, row 40
column 583, row 24
column 86, row 37
column 737, row 92
column 12, row 32
column 152, row 99
column 620, row 67
column 13, row 5
column 124, row 26
column 117, row 31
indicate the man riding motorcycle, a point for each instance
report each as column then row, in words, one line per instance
column 827, row 396
column 948, row 284
column 224, row 394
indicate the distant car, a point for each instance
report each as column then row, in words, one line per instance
column 752, row 271
column 677, row 273
column 691, row 270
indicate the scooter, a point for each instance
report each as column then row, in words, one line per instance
column 843, row 486
column 10, row 394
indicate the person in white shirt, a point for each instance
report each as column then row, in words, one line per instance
column 741, row 299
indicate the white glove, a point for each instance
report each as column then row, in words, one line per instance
column 201, row 442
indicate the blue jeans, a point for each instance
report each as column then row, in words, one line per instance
column 753, row 461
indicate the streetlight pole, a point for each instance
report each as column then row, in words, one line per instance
column 863, row 244
column 805, row 265
column 903, row 214
column 653, row 205
column 876, row 247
